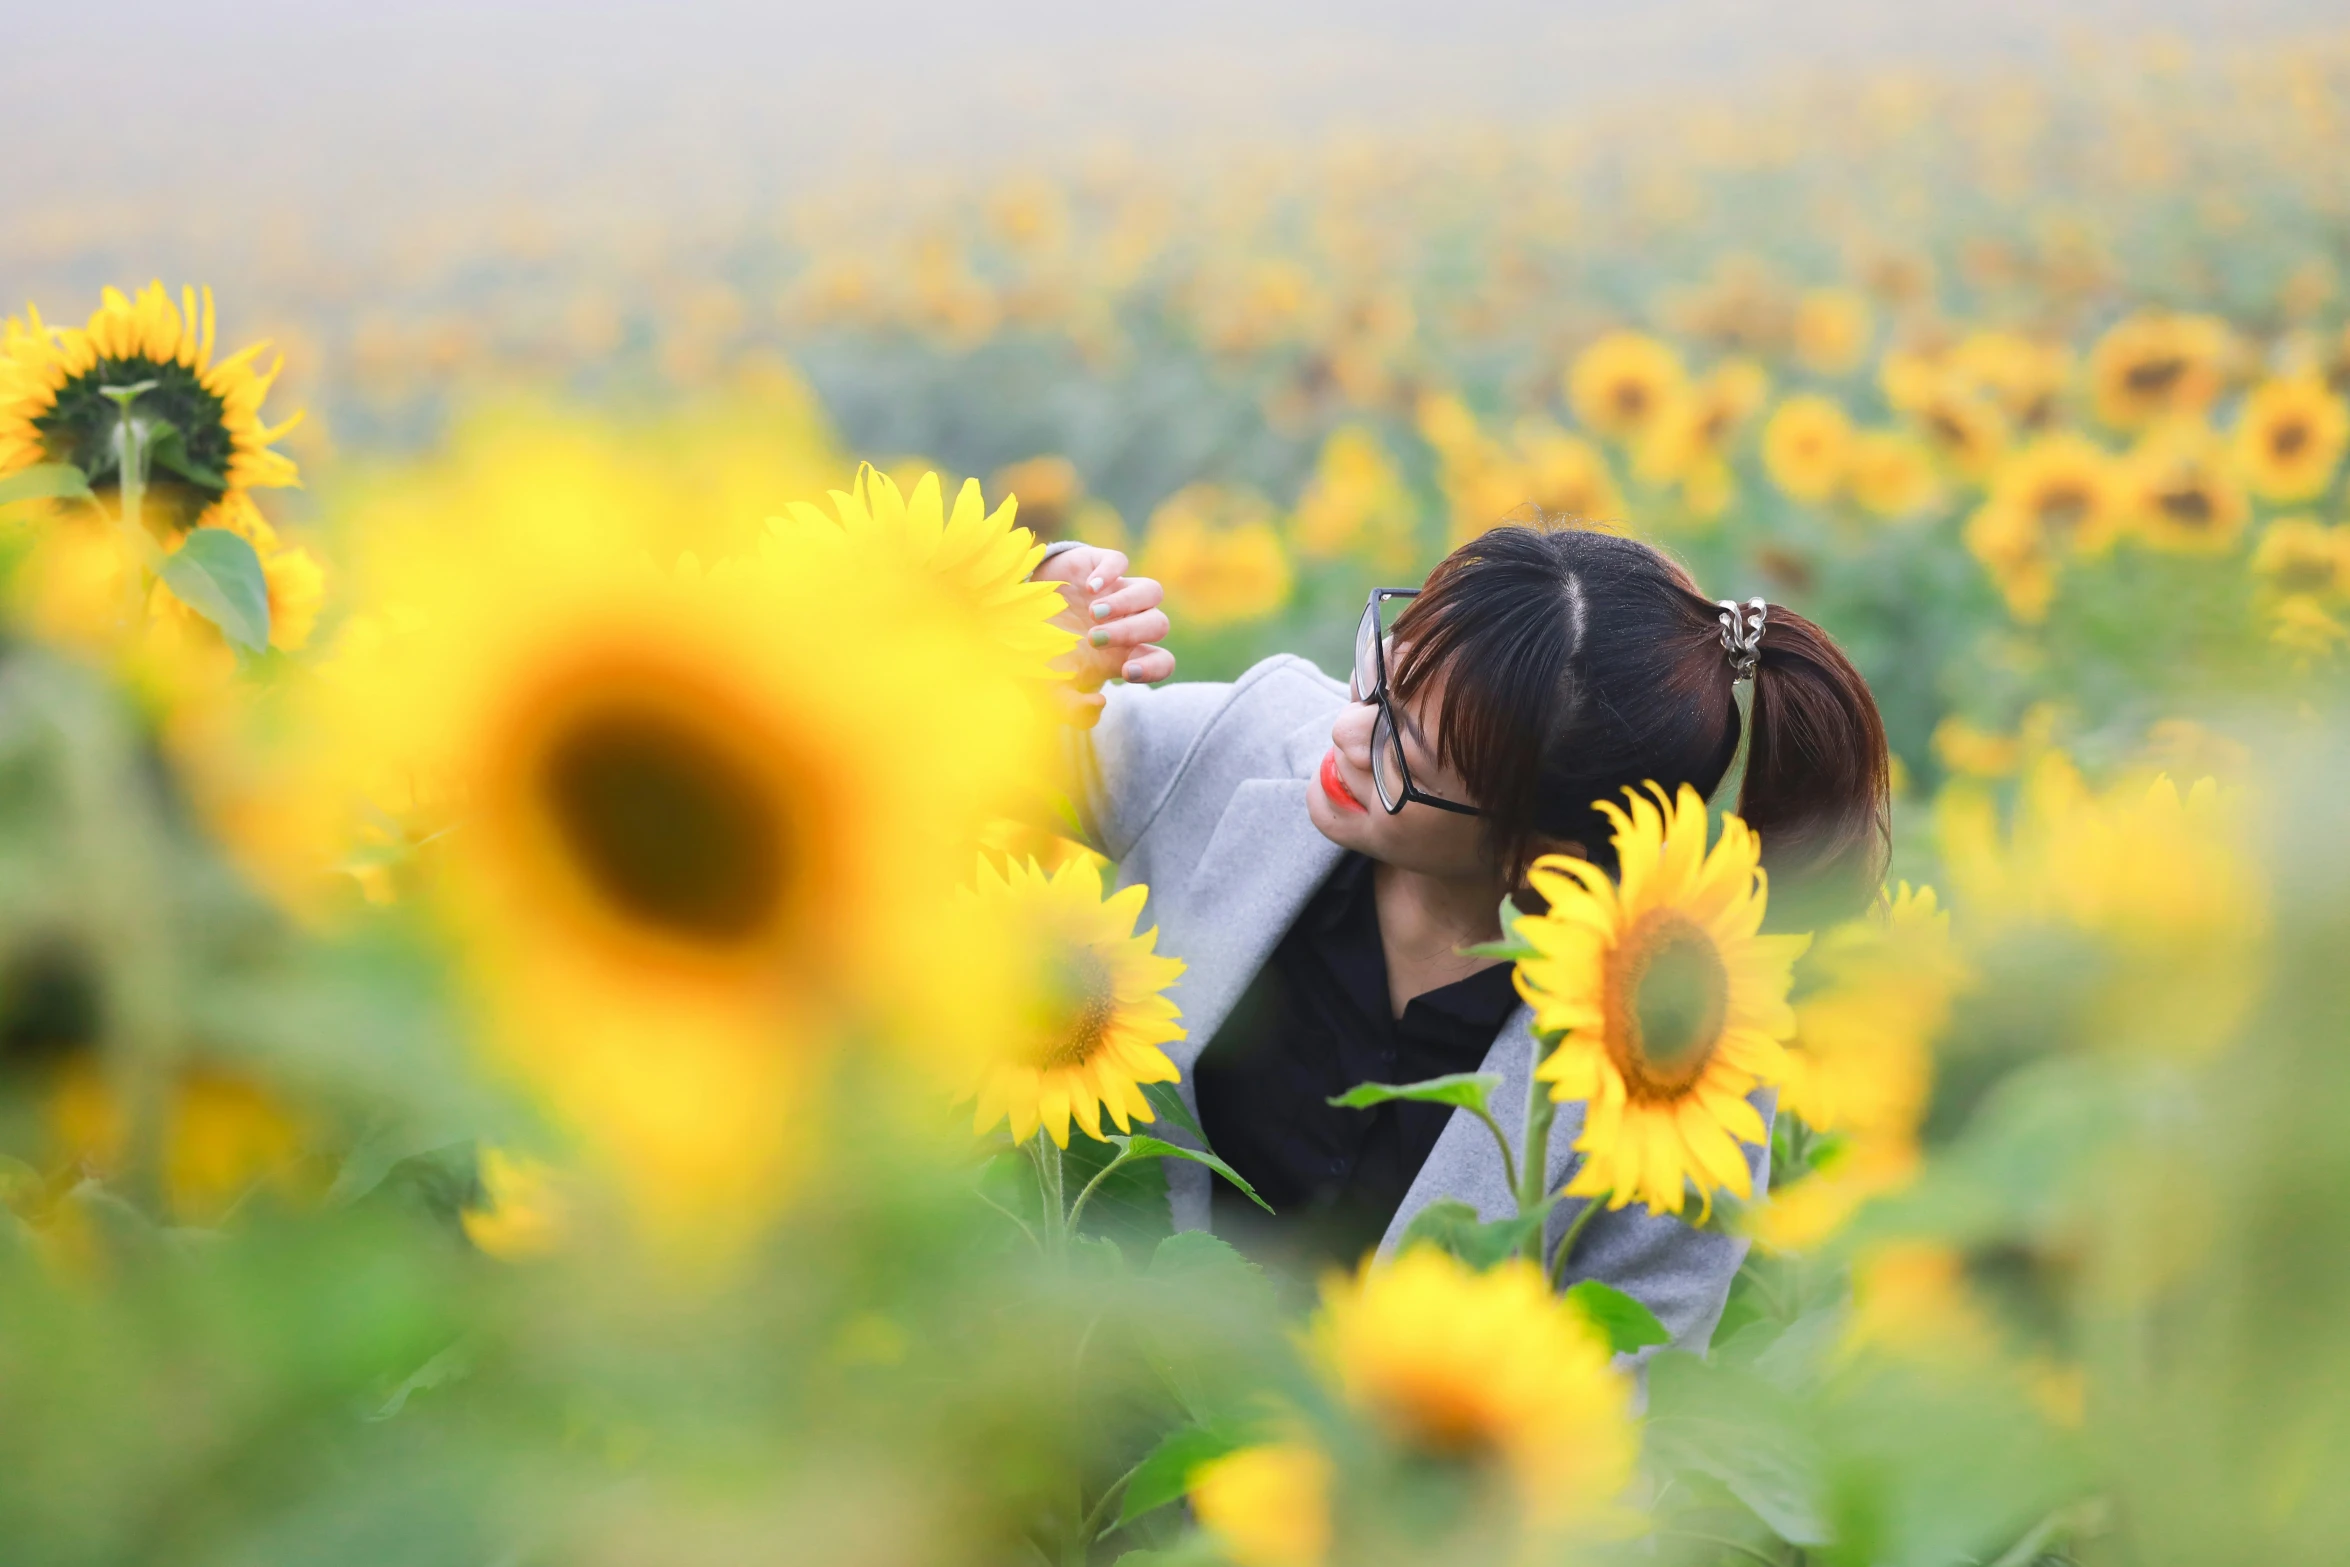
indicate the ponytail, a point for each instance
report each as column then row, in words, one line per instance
column 1816, row 776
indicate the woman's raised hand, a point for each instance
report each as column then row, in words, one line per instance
column 1117, row 617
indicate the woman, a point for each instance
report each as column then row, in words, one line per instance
column 1320, row 853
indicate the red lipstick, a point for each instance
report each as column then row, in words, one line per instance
column 1334, row 787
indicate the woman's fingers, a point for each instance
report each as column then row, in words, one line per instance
column 1129, row 597
column 1102, row 571
column 1147, row 666
column 1131, row 631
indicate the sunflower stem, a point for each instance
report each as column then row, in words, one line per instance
column 131, row 454
column 1047, row 1156
column 1534, row 1151
column 1566, row 1249
column 1078, row 1207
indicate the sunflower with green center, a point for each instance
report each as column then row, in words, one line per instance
column 1088, row 1037
column 1670, row 1003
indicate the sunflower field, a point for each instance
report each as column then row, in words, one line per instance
column 551, row 1015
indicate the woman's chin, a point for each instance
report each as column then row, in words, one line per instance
column 1342, row 827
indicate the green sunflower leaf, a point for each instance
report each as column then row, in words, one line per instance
column 1452, row 1225
column 1166, row 1100
column 1464, row 1090
column 1630, row 1327
column 218, row 575
column 1165, row 1472
column 1512, row 946
column 1153, row 1148
column 47, row 481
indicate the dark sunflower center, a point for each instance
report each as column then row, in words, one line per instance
column 188, row 468
column 670, row 828
column 49, row 1008
column 2289, row 438
column 2062, row 506
column 1952, row 431
column 1672, row 994
column 1081, row 998
column 2304, row 574
column 2153, row 377
column 1631, row 399
column 2187, row 503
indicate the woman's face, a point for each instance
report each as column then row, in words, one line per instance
column 1344, row 802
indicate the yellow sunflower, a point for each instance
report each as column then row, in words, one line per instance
column 2290, row 438
column 1862, row 1055
column 2303, row 555
column 52, row 409
column 1671, row 1004
column 1890, row 474
column 1088, row 1036
column 1807, row 445
column 2150, row 368
column 697, row 822
column 1622, row 382
column 1216, row 550
column 2182, row 494
column 1356, row 502
column 2024, row 375
column 980, row 558
column 1689, row 443
column 1267, row 1506
column 2059, row 496
column 1451, row 1363
column 224, row 1135
column 1962, row 426
column 1832, row 329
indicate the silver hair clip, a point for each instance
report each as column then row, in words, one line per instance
column 1742, row 633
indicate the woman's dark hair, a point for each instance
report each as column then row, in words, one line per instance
column 1576, row 662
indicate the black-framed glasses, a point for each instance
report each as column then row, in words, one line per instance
column 1390, row 773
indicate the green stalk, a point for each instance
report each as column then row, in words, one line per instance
column 131, row 454
column 1046, row 1154
column 1559, row 1258
column 1534, row 1151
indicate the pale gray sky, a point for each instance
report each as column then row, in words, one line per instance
column 651, row 99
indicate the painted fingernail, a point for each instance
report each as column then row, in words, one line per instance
column 1132, row 672
column 1101, row 638
column 1093, row 584
column 1101, row 611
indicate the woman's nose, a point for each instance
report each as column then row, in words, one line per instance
column 1350, row 731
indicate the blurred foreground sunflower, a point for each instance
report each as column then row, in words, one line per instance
column 694, row 819
column 1086, row 1037
column 981, row 558
column 1450, row 1363
column 1266, row 1506
column 1671, row 1004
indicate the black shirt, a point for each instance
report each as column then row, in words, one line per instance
column 1314, row 1023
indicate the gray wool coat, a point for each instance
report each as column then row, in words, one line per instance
column 1198, row 790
